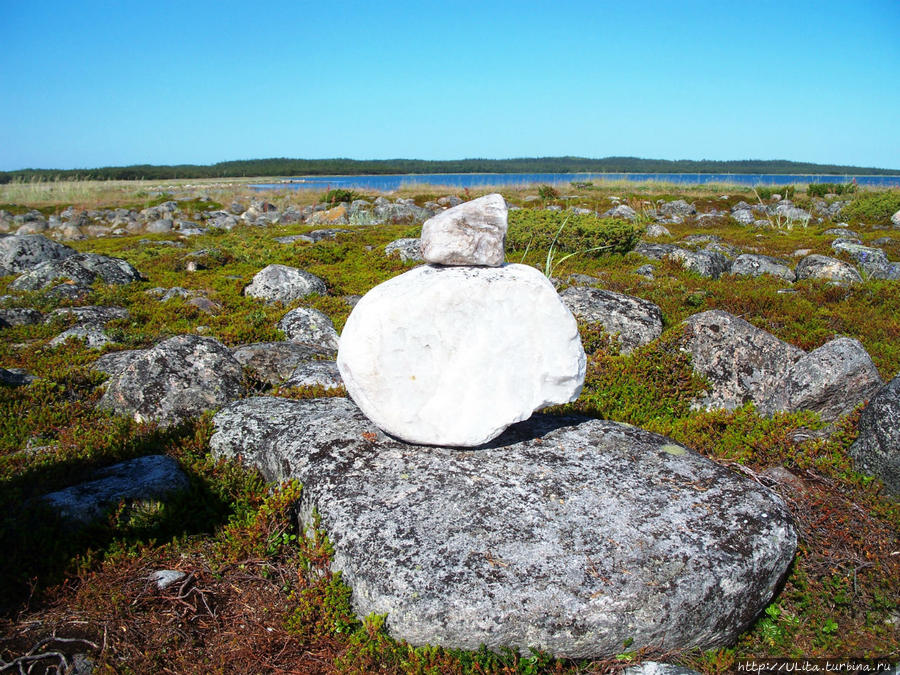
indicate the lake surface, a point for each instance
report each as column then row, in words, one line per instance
column 387, row 183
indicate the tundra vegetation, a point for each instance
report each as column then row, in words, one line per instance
column 260, row 596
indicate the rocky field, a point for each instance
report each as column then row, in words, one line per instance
column 187, row 487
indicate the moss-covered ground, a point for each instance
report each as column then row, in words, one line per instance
column 260, row 598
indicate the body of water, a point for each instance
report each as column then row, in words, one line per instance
column 387, row 183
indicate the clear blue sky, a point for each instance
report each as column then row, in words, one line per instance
column 89, row 84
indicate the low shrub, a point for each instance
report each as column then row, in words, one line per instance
column 337, row 196
column 822, row 189
column 873, row 208
column 766, row 191
column 566, row 232
column 547, row 192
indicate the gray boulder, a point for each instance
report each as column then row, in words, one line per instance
column 316, row 374
column 161, row 226
column 743, row 363
column 830, row 380
column 656, row 668
column 19, row 253
column 710, row 264
column 570, row 535
column 872, row 261
column 753, row 265
column 284, row 284
column 94, row 314
column 274, row 362
column 679, row 207
column 790, row 213
column 19, row 316
column 82, row 268
column 113, row 363
column 744, row 216
column 895, row 219
column 146, row 479
column 655, row 230
column 823, row 267
column 310, row 326
column 407, row 249
column 91, row 334
column 633, row 321
column 621, row 211
column 877, row 448
column 842, row 232
column 16, row 377
column 177, row 378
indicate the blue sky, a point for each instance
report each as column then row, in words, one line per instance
column 89, row 84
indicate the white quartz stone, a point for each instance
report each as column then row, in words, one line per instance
column 454, row 355
column 472, row 233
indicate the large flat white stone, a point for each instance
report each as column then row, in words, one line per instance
column 454, row 355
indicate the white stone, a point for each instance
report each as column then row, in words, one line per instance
column 454, row 355
column 472, row 233
column 895, row 219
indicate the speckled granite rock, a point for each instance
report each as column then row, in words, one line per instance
column 877, row 448
column 275, row 362
column 566, row 534
column 284, row 284
column 310, row 326
column 82, row 268
column 634, row 321
column 19, row 253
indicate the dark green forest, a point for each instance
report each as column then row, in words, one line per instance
column 282, row 166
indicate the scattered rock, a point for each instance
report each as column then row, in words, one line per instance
column 113, row 363
column 91, row 334
column 284, row 284
column 91, row 314
column 565, row 534
column 19, row 316
column 654, row 231
column 679, row 207
column 654, row 251
column 711, row 264
column 177, row 378
column 895, row 219
column 274, row 362
column 645, row 271
column 145, row 479
column 16, row 377
column 753, row 265
column 877, row 448
column 633, row 321
column 655, row 668
column 19, row 253
column 872, row 261
column 162, row 579
column 454, row 355
column 472, row 233
column 333, row 216
column 842, row 232
column 831, row 380
column 82, row 268
column 316, row 373
column 743, row 363
column 823, row 267
column 408, row 249
column 744, row 216
column 309, row 326
column 787, row 211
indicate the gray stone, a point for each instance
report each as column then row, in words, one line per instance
column 273, row 363
column 872, row 261
column 754, row 265
column 656, row 668
column 787, row 211
column 744, row 216
column 654, row 231
column 876, row 451
column 654, row 251
column 19, row 316
column 472, row 233
column 177, row 378
column 113, row 363
column 92, row 314
column 91, row 334
column 823, row 267
column 621, row 211
column 646, row 271
column 679, row 207
column 831, row 380
column 82, row 268
column 161, row 226
column 310, row 326
column 842, row 232
column 633, row 321
column 162, row 579
column 19, row 253
column 449, row 201
column 408, row 249
column 146, row 479
column 16, row 377
column 569, row 535
column 743, row 363
column 710, row 264
column 316, row 374
column 895, row 219
column 284, row 284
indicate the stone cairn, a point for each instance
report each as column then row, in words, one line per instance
column 453, row 352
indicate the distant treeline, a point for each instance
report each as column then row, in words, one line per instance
column 283, row 166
